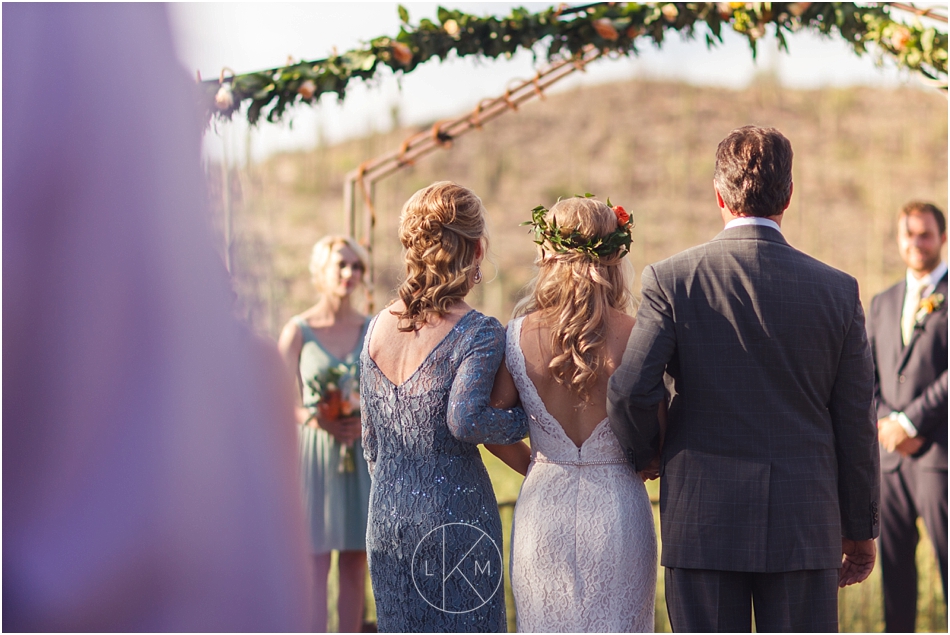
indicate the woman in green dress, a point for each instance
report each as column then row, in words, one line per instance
column 321, row 346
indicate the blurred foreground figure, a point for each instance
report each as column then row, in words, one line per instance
column 149, row 474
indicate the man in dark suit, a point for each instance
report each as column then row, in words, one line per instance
column 907, row 326
column 770, row 471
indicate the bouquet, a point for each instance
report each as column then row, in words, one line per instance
column 337, row 395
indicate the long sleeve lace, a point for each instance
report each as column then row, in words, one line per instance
column 428, row 474
column 470, row 418
column 370, row 446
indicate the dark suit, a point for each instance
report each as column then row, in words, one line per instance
column 911, row 379
column 771, row 451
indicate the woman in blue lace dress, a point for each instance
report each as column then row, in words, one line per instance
column 320, row 346
column 434, row 534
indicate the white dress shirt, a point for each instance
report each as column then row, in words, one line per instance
column 753, row 220
column 929, row 284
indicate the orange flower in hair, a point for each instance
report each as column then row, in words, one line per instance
column 622, row 216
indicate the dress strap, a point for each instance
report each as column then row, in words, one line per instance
column 308, row 334
column 370, row 325
column 364, row 333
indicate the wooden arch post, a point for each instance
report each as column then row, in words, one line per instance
column 363, row 179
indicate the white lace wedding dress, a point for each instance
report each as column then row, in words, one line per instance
column 583, row 545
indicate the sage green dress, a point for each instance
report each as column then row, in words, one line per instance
column 336, row 502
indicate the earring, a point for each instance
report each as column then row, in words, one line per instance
column 478, row 274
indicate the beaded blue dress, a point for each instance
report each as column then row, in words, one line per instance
column 434, row 535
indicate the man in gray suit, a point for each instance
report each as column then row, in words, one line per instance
column 907, row 326
column 769, row 465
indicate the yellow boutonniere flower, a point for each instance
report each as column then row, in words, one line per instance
column 928, row 305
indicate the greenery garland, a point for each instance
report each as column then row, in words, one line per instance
column 616, row 27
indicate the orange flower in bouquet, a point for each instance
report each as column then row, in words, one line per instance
column 337, row 396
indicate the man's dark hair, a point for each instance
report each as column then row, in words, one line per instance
column 754, row 171
column 919, row 207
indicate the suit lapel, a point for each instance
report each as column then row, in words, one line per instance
column 888, row 329
column 919, row 328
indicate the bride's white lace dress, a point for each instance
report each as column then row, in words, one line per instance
column 583, row 545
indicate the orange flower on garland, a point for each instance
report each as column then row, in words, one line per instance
column 307, row 90
column 401, row 53
column 605, row 29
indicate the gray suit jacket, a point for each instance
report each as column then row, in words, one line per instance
column 771, row 453
column 911, row 379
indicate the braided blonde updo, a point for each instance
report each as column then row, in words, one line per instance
column 573, row 292
column 441, row 227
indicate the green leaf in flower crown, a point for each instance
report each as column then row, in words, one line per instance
column 403, row 14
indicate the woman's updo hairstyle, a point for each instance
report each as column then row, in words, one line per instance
column 574, row 290
column 441, row 226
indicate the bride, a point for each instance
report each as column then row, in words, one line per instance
column 583, row 546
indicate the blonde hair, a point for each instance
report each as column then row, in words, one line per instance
column 573, row 291
column 441, row 226
column 323, row 249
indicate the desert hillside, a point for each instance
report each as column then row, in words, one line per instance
column 860, row 153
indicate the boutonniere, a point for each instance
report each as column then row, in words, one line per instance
column 927, row 306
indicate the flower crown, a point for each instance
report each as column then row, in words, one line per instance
column 618, row 241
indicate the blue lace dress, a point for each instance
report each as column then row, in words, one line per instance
column 434, row 535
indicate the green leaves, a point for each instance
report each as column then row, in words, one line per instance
column 342, row 377
column 563, row 32
column 550, row 236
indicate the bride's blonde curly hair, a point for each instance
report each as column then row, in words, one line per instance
column 573, row 291
column 441, row 227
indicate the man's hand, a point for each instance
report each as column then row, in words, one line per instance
column 891, row 434
column 910, row 446
column 857, row 561
column 652, row 470
column 894, row 438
